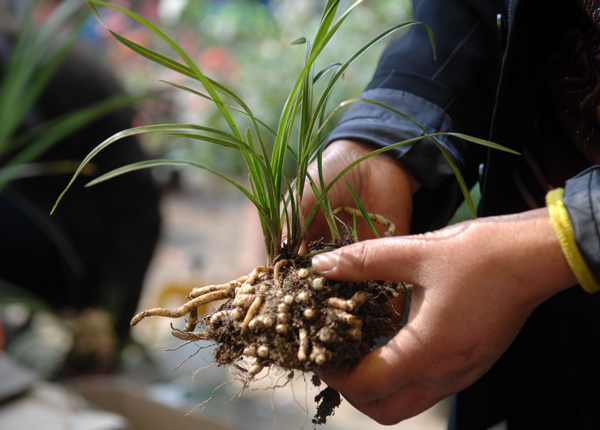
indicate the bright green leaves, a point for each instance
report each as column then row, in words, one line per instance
column 303, row 122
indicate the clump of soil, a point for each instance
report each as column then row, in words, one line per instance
column 288, row 316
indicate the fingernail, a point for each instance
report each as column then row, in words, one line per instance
column 324, row 263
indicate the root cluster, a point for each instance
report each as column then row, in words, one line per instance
column 288, row 316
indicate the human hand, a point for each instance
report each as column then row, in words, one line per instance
column 475, row 284
column 381, row 182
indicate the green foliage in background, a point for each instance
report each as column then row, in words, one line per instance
column 36, row 56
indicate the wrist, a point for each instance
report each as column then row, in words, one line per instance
column 526, row 247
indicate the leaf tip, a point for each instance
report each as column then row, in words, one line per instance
column 299, row 41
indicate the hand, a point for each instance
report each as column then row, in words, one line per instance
column 475, row 285
column 381, row 182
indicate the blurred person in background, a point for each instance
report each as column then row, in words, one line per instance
column 94, row 251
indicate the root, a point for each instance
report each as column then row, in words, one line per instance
column 185, row 309
column 276, row 269
column 303, row 348
column 201, row 406
column 179, row 346
column 188, row 358
column 374, row 217
column 197, row 292
column 252, row 277
column 348, row 305
column 191, row 336
column 252, row 311
column 192, row 321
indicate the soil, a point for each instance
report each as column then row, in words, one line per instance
column 289, row 317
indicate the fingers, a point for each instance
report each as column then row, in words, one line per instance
column 399, row 406
column 377, row 375
column 386, row 384
column 393, row 259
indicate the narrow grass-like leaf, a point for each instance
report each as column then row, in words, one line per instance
column 182, row 69
column 207, row 83
column 221, row 142
column 326, row 69
column 326, row 190
column 34, row 60
column 156, row 163
column 461, row 182
column 324, row 35
column 165, row 128
column 265, row 171
column 326, row 19
column 322, row 104
column 242, row 111
column 55, row 131
column 483, row 142
column 362, row 210
column 31, row 170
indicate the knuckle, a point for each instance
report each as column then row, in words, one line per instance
column 356, row 394
column 357, row 256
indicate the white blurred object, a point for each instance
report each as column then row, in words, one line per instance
column 169, row 11
column 42, row 405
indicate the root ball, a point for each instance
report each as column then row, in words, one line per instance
column 284, row 317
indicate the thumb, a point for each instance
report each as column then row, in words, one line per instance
column 393, row 259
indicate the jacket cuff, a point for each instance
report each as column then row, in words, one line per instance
column 564, row 227
column 381, row 127
column 582, row 200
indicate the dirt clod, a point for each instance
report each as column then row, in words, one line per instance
column 327, row 400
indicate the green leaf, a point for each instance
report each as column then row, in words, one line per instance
column 35, row 58
column 196, row 71
column 325, row 191
column 322, row 104
column 31, row 170
column 197, row 93
column 165, row 128
column 156, row 163
column 38, row 141
column 326, row 69
column 362, row 210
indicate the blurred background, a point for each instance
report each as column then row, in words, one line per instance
column 69, row 284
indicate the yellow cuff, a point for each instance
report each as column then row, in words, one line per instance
column 559, row 217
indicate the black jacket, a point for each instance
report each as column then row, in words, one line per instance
column 488, row 81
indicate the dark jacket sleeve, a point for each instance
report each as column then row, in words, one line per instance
column 454, row 92
column 582, row 200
